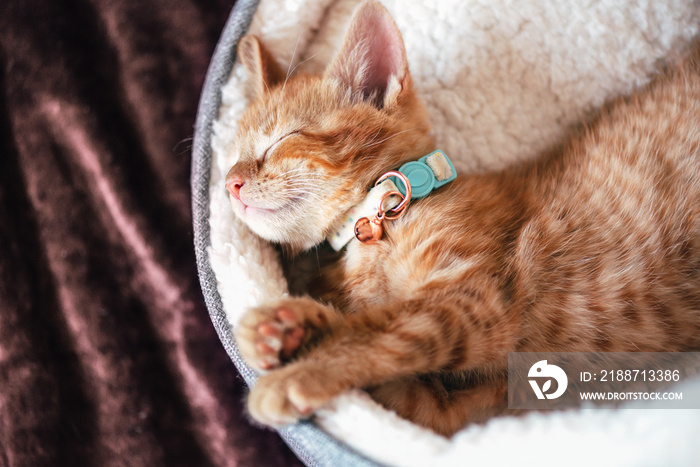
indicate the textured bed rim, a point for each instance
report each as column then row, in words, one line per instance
column 312, row 445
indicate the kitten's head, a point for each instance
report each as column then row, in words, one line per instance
column 309, row 147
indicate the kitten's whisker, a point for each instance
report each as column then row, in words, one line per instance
column 301, row 187
column 304, row 195
column 375, row 135
column 302, row 182
column 294, row 53
column 301, row 63
column 307, row 172
column 310, row 181
column 385, row 117
column 298, row 169
column 388, row 138
column 305, row 185
column 182, row 141
column 300, row 192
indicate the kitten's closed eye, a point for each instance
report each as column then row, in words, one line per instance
column 274, row 145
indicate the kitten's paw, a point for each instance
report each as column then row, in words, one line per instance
column 268, row 336
column 287, row 395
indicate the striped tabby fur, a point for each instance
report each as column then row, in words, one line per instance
column 595, row 247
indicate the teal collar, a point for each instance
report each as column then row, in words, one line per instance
column 425, row 175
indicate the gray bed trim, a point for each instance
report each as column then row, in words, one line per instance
column 312, row 445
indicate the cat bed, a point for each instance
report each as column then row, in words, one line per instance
column 502, row 80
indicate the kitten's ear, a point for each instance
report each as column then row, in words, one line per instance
column 262, row 69
column 372, row 60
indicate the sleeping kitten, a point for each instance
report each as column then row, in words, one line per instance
column 595, row 248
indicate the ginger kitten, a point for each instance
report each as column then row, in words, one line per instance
column 594, row 248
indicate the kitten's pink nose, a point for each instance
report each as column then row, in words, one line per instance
column 234, row 184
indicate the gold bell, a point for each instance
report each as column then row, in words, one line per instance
column 369, row 230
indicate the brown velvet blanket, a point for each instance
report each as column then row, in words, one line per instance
column 107, row 354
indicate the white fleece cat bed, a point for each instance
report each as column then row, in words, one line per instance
column 502, row 80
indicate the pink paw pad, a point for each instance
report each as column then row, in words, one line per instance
column 281, row 336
